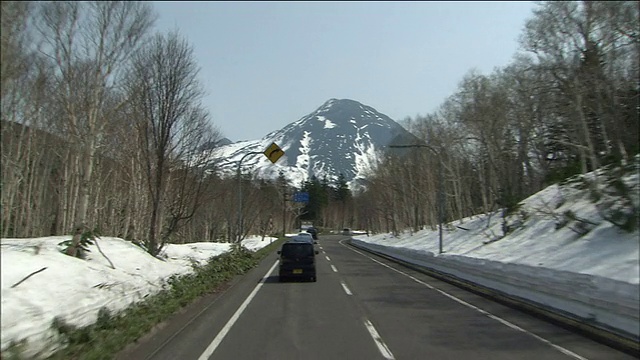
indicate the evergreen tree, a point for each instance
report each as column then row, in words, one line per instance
column 318, row 199
column 342, row 192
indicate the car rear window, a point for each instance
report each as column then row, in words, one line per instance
column 302, row 239
column 297, row 250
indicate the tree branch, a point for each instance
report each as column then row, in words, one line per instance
column 28, row 276
column 100, row 250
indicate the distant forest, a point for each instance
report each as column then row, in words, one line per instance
column 103, row 130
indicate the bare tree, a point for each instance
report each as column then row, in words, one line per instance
column 172, row 127
column 190, row 185
column 88, row 42
column 25, row 85
column 580, row 45
column 13, row 36
column 13, row 73
column 573, row 101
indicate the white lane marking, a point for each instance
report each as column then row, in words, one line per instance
column 218, row 339
column 334, row 268
column 484, row 312
column 328, row 258
column 346, row 289
column 382, row 347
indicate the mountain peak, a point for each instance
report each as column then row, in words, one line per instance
column 342, row 136
column 342, row 103
column 347, row 111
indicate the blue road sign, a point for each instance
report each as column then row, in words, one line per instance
column 301, row 197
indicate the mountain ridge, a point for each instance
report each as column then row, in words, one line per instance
column 342, row 136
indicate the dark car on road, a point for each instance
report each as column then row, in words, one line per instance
column 297, row 261
column 314, row 232
column 303, row 237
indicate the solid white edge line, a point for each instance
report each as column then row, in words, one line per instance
column 334, row 268
column 223, row 332
column 382, row 347
column 484, row 312
column 346, row 289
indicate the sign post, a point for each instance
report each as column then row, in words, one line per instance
column 273, row 153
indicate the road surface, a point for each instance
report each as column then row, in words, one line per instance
column 361, row 307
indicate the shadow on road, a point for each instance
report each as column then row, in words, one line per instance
column 271, row 279
column 275, row 279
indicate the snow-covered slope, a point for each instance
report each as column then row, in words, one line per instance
column 562, row 248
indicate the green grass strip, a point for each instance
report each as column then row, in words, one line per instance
column 113, row 332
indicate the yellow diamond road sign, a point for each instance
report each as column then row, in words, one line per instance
column 273, row 153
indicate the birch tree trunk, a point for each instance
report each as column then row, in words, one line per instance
column 89, row 41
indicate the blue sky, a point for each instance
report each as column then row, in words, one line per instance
column 267, row 64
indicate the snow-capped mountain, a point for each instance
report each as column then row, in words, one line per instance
column 340, row 137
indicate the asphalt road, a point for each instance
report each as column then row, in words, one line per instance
column 361, row 307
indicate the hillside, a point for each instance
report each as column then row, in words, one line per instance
column 567, row 247
column 341, row 136
column 563, row 227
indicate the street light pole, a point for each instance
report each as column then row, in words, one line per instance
column 440, row 197
column 440, row 204
column 284, row 211
column 240, row 194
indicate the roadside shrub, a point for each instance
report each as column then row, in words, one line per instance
column 15, row 350
column 112, row 332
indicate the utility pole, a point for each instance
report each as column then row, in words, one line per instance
column 284, row 210
column 440, row 198
column 273, row 153
column 239, row 238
